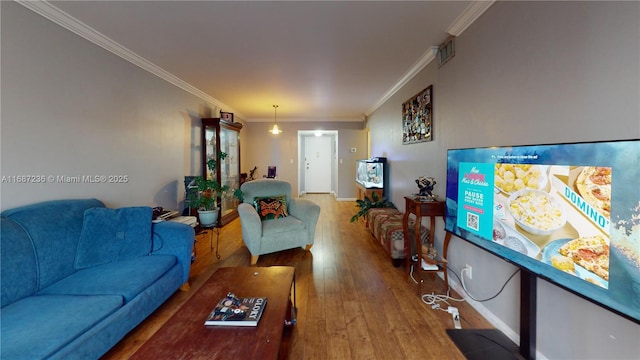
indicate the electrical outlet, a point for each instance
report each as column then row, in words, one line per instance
column 456, row 316
column 469, row 271
column 456, row 321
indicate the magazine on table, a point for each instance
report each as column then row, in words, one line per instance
column 235, row 311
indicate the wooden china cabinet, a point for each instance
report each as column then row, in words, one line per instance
column 220, row 135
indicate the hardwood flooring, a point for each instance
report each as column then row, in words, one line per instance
column 352, row 303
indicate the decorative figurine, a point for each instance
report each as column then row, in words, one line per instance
column 252, row 173
column 425, row 185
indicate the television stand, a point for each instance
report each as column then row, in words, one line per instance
column 481, row 344
column 492, row 343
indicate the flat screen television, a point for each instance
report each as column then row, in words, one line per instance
column 568, row 213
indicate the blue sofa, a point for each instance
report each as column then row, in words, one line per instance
column 76, row 276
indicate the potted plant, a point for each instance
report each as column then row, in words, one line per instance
column 372, row 203
column 205, row 198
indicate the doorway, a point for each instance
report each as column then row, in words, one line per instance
column 317, row 161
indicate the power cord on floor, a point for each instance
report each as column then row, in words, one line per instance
column 434, row 299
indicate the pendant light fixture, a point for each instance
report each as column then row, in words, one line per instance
column 275, row 130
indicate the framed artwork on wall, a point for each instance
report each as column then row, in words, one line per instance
column 417, row 117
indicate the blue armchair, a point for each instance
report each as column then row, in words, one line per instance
column 294, row 224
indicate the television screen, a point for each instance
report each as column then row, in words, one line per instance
column 568, row 213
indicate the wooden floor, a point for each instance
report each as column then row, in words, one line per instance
column 352, row 303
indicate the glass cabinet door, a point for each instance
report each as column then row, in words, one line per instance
column 222, row 136
column 229, row 170
column 210, row 151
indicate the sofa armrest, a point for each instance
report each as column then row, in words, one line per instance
column 251, row 226
column 175, row 239
column 307, row 211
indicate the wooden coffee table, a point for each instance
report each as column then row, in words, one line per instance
column 184, row 335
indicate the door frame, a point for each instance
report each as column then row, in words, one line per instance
column 333, row 134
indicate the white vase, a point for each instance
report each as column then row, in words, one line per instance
column 208, row 217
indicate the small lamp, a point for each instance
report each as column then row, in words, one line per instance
column 275, row 130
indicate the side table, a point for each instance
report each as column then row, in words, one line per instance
column 430, row 209
column 213, row 229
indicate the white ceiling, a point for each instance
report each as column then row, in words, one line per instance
column 318, row 60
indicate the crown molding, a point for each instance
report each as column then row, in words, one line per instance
column 54, row 14
column 470, row 14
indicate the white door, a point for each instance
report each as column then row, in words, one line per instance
column 317, row 164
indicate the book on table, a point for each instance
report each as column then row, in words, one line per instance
column 235, row 311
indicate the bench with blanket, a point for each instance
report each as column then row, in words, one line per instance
column 386, row 226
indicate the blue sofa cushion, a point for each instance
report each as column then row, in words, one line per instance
column 19, row 274
column 54, row 229
column 126, row 278
column 65, row 317
column 113, row 234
